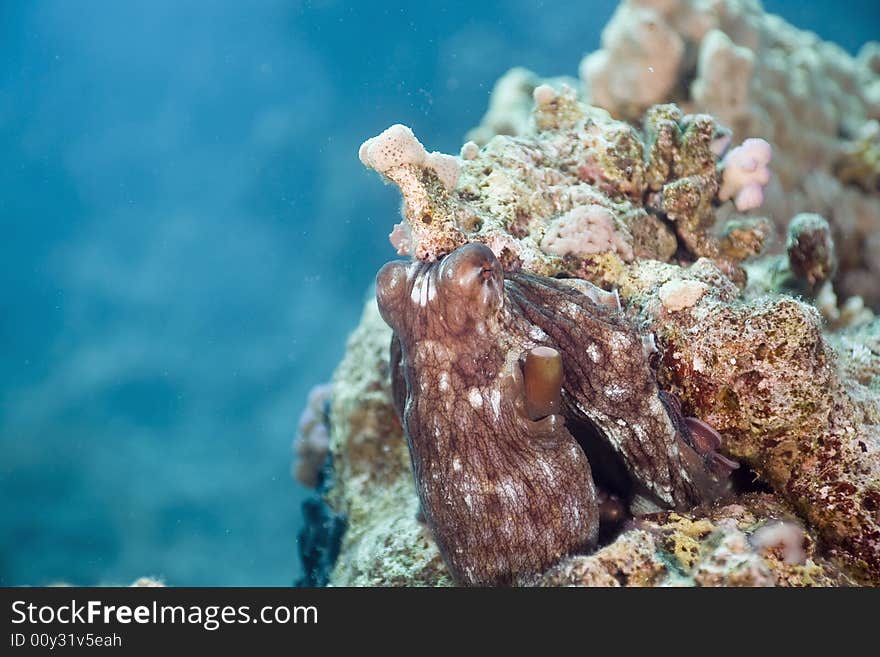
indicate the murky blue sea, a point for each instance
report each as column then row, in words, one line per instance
column 187, row 238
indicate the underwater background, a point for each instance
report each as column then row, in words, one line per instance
column 188, row 236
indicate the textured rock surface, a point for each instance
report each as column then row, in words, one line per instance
column 712, row 547
column 762, row 374
column 760, row 77
column 579, row 177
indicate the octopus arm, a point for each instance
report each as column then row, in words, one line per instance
column 608, row 382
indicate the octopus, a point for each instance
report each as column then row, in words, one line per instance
column 510, row 386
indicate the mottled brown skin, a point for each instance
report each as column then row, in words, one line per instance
column 505, row 495
column 609, row 383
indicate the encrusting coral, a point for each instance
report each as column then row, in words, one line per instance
column 582, row 179
column 590, row 374
column 754, row 542
column 816, row 105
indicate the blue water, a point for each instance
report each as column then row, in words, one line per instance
column 187, row 238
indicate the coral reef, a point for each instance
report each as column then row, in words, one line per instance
column 510, row 105
column 799, row 409
column 764, row 376
column 586, row 230
column 810, row 249
column 760, row 77
column 148, row 582
column 588, row 316
column 755, row 542
column 582, row 174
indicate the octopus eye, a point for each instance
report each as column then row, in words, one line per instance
column 473, row 272
column 390, row 290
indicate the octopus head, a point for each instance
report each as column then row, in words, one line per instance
column 471, row 279
column 462, row 292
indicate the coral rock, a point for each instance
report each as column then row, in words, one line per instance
column 724, row 546
column 817, row 106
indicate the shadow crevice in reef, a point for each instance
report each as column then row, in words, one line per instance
column 320, row 538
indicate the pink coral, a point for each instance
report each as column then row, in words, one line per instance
column 784, row 536
column 312, row 443
column 401, row 239
column 745, row 174
column 586, row 230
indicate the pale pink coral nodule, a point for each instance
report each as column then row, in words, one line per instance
column 312, row 443
column 586, row 230
column 401, row 239
column 745, row 174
